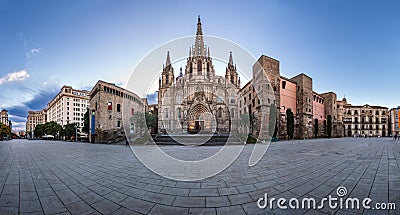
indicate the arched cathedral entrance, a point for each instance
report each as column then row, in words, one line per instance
column 201, row 120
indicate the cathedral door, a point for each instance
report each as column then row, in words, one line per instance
column 199, row 125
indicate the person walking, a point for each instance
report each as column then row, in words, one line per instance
column 395, row 136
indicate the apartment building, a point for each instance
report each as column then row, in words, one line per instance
column 68, row 106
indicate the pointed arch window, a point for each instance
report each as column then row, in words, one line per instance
column 179, row 113
column 219, row 112
column 199, row 67
column 232, row 97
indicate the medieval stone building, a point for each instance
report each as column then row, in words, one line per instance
column 198, row 100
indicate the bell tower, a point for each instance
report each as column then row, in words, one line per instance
column 167, row 77
column 231, row 75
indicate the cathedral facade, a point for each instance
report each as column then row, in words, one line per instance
column 198, row 100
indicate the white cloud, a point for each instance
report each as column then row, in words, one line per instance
column 32, row 52
column 15, row 76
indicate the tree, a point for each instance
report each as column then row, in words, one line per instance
column 4, row 130
column 290, row 123
column 253, row 121
column 69, row 129
column 329, row 126
column 152, row 122
column 85, row 128
column 316, row 128
column 52, row 128
column 39, row 130
column 49, row 128
column 139, row 121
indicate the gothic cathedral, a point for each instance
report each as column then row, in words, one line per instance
column 198, row 100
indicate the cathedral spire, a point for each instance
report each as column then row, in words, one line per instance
column 199, row 44
column 230, row 58
column 168, row 62
column 181, row 74
column 199, row 30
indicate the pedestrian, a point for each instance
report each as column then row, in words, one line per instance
column 395, row 136
column 126, row 143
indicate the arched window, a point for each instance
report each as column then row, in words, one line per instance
column 179, row 113
column 232, row 97
column 199, row 67
column 166, row 113
column 220, row 112
column 178, row 99
column 166, row 78
column 232, row 113
column 219, row 96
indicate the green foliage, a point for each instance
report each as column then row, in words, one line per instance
column 329, row 126
column 85, row 128
column 248, row 122
column 152, row 122
column 251, row 139
column 49, row 128
column 253, row 122
column 316, row 128
column 52, row 128
column 4, row 130
column 290, row 123
column 39, row 130
column 69, row 129
column 139, row 121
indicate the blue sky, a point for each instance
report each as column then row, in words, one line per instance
column 349, row 47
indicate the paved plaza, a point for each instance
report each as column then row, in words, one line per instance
column 54, row 177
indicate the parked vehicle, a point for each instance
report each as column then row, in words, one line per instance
column 48, row 137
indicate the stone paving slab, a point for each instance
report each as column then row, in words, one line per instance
column 54, row 177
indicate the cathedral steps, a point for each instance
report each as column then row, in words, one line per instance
column 197, row 140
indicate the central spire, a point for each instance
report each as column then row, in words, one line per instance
column 199, row 44
column 168, row 61
column 230, row 59
column 199, row 30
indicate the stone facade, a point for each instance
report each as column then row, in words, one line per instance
column 34, row 118
column 394, row 122
column 318, row 115
column 114, row 111
column 331, row 109
column 304, row 114
column 287, row 101
column 198, row 100
column 366, row 120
